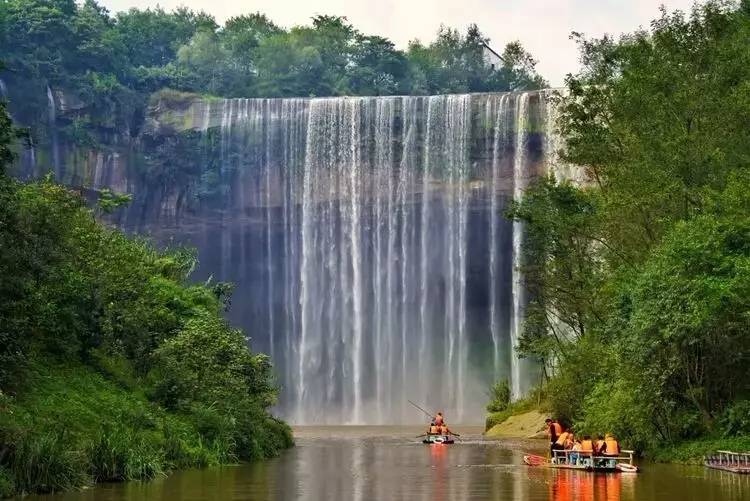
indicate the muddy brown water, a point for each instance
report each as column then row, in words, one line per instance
column 389, row 463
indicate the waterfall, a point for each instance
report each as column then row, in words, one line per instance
column 3, row 89
column 52, row 121
column 518, row 367
column 367, row 239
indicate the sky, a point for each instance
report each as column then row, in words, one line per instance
column 543, row 27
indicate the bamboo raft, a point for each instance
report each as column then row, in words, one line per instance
column 437, row 438
column 734, row 462
column 585, row 462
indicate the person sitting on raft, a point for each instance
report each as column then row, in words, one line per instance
column 434, row 429
column 575, row 451
column 599, row 446
column 611, row 447
column 587, row 448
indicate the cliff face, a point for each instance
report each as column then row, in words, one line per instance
column 366, row 235
column 171, row 165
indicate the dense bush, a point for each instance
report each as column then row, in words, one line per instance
column 499, row 396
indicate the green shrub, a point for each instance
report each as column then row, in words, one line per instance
column 121, row 453
column 536, row 399
column 48, row 462
column 735, row 421
column 7, row 484
column 499, row 396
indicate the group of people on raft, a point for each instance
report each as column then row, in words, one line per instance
column 438, row 426
column 581, row 449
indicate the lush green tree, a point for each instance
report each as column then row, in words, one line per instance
column 153, row 36
column 456, row 63
column 563, row 267
column 377, row 68
column 241, row 35
column 645, row 266
column 658, row 118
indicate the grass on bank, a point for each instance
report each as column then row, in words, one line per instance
column 74, row 427
column 500, row 408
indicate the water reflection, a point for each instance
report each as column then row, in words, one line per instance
column 583, row 486
column 365, row 464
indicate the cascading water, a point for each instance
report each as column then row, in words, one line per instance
column 52, row 119
column 368, row 242
column 378, row 288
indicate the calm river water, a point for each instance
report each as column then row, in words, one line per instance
column 388, row 463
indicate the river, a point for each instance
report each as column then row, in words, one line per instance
column 389, row 463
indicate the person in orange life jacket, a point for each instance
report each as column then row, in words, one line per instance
column 439, row 419
column 560, row 444
column 587, row 445
column 434, row 429
column 611, row 447
column 587, row 448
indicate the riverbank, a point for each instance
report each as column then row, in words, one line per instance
column 73, row 428
column 522, row 425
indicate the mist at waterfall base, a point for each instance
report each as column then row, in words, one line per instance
column 367, row 241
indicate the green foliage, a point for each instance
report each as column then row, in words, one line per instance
column 499, row 396
column 208, row 362
column 535, row 400
column 7, row 484
column 639, row 280
column 693, row 451
column 71, row 426
column 109, row 201
column 560, row 270
column 735, row 420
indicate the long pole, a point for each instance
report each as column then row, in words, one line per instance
column 421, row 409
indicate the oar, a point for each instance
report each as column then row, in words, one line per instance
column 421, row 409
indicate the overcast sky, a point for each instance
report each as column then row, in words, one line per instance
column 542, row 26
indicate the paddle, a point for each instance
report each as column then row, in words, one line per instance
column 421, row 409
